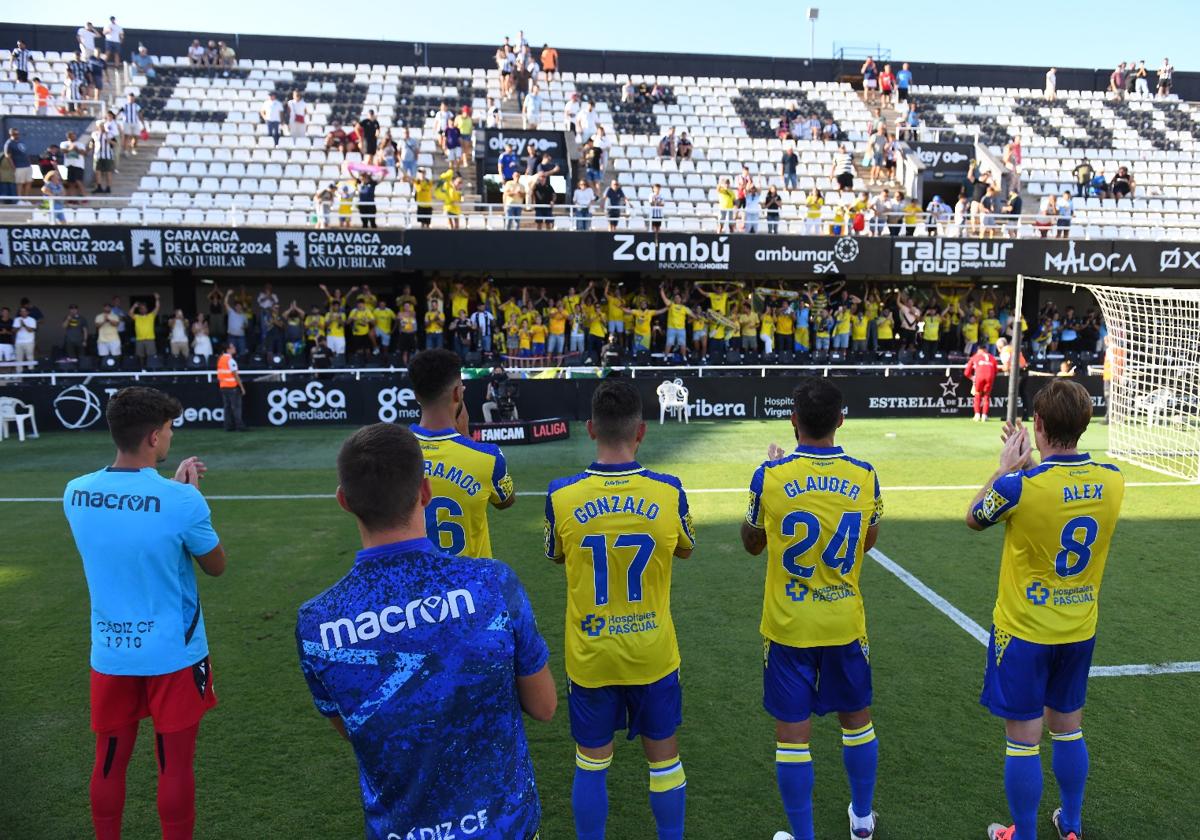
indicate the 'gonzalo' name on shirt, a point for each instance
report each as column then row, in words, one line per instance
column 822, row 483
column 455, row 475
column 602, row 505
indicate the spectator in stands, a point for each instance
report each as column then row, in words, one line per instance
column 226, row 55
column 368, row 135
column 1066, row 209
column 571, row 109
column 586, row 122
column 751, row 207
column 108, row 335
column 465, row 122
column 1165, row 74
column 114, row 38
column 593, row 165
column 842, row 170
column 938, row 214
column 52, row 188
column 657, row 207
column 870, row 74
column 772, row 202
column 97, row 67
column 1116, row 82
column 483, row 325
column 452, row 145
column 461, row 331
column 407, row 150
column 726, row 202
column 72, row 93
column 903, row 83
column 1099, row 185
column 531, row 109
column 25, row 328
column 212, row 55
column 989, row 204
column 1012, row 211
column 366, row 200
column 603, row 142
column 683, row 149
column 385, row 153
column 177, row 333
column 881, row 205
column 531, row 158
column 143, row 329
column 1083, row 177
column 298, row 114
column 17, row 155
column 75, row 333
column 449, row 192
column 335, row 138
column 143, row 64
column 829, row 131
column 1051, row 90
column 813, row 203
column 322, row 202
column 979, row 189
column 911, row 210
column 1140, row 79
column 1047, row 216
column 202, row 337
column 906, row 127
column 628, row 92
column 887, row 86
column 504, row 63
column 87, row 37
column 41, row 98
column 423, row 194
column 614, row 201
column 103, row 148
column 667, row 145
column 1122, row 185
column 196, row 53
column 549, row 61
column 877, row 146
column 513, row 196
column 72, row 152
column 272, row 114
column 788, row 164
column 131, row 124
column 21, row 61
column 581, row 205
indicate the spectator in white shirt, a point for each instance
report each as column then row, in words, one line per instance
column 26, row 326
column 196, row 53
column 628, row 91
column 586, row 122
column 272, row 114
column 1051, row 85
column 87, row 36
column 581, row 205
column 298, row 115
column 73, row 158
column 572, row 108
column 494, row 118
column 602, row 142
column 131, row 123
column 108, row 332
column 114, row 36
column 531, row 110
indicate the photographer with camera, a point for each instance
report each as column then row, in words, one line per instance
column 501, row 397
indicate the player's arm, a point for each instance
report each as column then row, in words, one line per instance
column 754, row 535
column 996, row 499
column 538, row 695
column 502, row 495
column 531, row 656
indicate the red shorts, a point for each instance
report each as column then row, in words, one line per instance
column 984, row 386
column 175, row 701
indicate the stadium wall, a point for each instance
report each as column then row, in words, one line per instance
column 341, row 400
column 619, row 62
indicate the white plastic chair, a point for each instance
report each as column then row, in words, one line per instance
column 673, row 400
column 19, row 413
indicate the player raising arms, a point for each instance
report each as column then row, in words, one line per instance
column 424, row 662
column 816, row 511
column 138, row 533
column 617, row 526
column 1059, row 517
column 465, row 475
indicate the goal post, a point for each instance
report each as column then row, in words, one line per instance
column 1152, row 374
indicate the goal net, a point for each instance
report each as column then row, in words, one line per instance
column 1153, row 357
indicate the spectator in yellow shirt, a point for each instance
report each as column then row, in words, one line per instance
column 785, row 329
column 385, row 321
column 747, row 320
column 643, row 326
column 406, row 335
column 423, row 195
column 537, row 335
column 841, row 329
column 859, row 327
column 362, row 328
column 335, row 331
column 143, row 329
column 557, row 343
column 450, row 192
column 813, row 203
column 435, row 323
column 726, row 199
column 766, row 331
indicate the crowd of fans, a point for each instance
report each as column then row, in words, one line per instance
column 600, row 322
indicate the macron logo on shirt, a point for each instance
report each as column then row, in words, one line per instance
column 116, row 501
column 432, row 609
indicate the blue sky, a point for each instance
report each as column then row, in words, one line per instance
column 1065, row 33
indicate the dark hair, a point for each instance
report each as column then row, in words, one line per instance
column 135, row 412
column 380, row 468
column 817, row 405
column 616, row 411
column 434, row 372
column 1066, row 409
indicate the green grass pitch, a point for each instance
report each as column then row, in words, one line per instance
column 268, row 766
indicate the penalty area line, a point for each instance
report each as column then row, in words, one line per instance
column 980, row 635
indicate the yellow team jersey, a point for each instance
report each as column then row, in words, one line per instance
column 335, row 325
column 871, row 307
column 143, row 326
column 423, row 191
column 616, row 527
column 314, row 327
column 433, row 321
column 385, row 319
column 465, row 477
column 596, row 325
column 1059, row 519
column 558, row 322
column 615, row 305
column 883, row 327
column 970, row 331
column 360, row 321
column 858, row 327
column 460, row 301
column 642, row 319
column 767, row 328
column 933, row 328
column 718, row 302
column 814, row 205
column 408, row 322
column 785, row 323
column 841, row 324
column 748, row 323
column 571, row 302
column 677, row 315
column 538, row 333
column 815, row 505
column 523, row 339
column 991, row 330
column 511, row 311
column 699, row 322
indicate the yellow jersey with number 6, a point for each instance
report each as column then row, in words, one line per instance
column 815, row 505
column 616, row 528
column 465, row 476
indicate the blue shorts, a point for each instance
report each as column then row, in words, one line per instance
column 1030, row 677
column 616, row 327
column 801, row 682
column 676, row 337
column 594, row 175
column 653, row 711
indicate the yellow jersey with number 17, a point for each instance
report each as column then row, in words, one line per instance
column 616, row 528
column 1059, row 519
column 815, row 505
column 465, row 476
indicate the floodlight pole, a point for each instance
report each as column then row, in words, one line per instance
column 813, row 13
column 1014, row 355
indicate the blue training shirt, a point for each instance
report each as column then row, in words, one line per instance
column 418, row 652
column 137, row 533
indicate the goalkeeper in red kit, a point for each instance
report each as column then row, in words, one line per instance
column 981, row 370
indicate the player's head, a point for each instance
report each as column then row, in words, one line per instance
column 140, row 421
column 1061, row 413
column 381, row 477
column 816, row 408
column 436, row 377
column 616, row 414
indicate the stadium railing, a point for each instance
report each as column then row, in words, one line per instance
column 634, row 218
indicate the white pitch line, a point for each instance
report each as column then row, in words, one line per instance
column 980, row 635
column 943, row 606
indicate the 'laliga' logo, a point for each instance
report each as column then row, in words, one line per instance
column 592, row 624
column 796, row 590
column 1037, row 593
column 77, row 407
column 846, row 249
